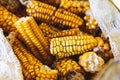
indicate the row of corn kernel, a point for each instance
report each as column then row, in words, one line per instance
column 65, row 65
column 50, row 14
column 32, row 68
column 70, row 32
column 33, row 36
column 48, row 29
column 75, row 6
column 72, row 45
column 7, row 19
column 11, row 5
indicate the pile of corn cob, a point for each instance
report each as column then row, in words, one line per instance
column 55, row 41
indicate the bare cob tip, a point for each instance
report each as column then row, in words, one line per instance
column 24, row 2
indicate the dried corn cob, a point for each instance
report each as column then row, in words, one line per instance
column 75, row 6
column 72, row 45
column 91, row 62
column 51, row 2
column 63, row 66
column 70, row 32
column 91, row 24
column 28, row 41
column 40, row 10
column 7, row 19
column 33, row 69
column 50, row 14
column 48, row 29
column 66, row 18
column 11, row 5
column 33, row 36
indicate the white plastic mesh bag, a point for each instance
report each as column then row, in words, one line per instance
column 10, row 68
column 108, row 18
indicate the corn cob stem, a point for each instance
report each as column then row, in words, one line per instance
column 72, row 45
column 32, row 38
column 33, row 68
column 7, row 19
column 50, row 14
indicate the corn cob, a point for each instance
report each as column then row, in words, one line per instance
column 91, row 62
column 75, row 6
column 11, row 5
column 7, row 19
column 63, row 66
column 50, row 14
column 33, row 36
column 72, row 45
column 40, row 10
column 28, row 41
column 48, row 29
column 51, row 2
column 70, row 32
column 66, row 18
column 90, row 24
column 33, row 69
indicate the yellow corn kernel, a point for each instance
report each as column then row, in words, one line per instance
column 33, row 36
column 64, row 65
column 7, row 19
column 70, row 45
column 50, row 14
column 75, row 6
column 100, row 41
column 70, row 32
column 11, row 5
column 91, row 23
column 31, row 67
column 106, row 46
column 48, row 29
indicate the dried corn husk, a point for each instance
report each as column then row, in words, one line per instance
column 10, row 68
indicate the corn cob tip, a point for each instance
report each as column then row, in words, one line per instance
column 91, row 62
